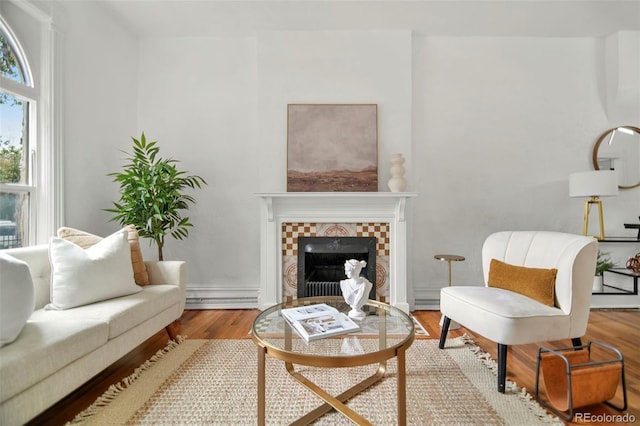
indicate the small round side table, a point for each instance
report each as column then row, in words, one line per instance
column 449, row 258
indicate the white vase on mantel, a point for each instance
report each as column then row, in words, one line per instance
column 397, row 182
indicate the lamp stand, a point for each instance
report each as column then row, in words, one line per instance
column 587, row 208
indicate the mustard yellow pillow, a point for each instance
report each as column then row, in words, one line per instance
column 86, row 240
column 536, row 283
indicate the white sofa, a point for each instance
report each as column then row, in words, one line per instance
column 59, row 350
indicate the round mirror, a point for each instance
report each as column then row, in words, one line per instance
column 619, row 149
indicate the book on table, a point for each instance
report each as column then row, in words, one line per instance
column 317, row 321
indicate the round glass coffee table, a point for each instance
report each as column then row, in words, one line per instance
column 385, row 332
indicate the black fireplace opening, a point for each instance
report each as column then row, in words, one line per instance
column 321, row 263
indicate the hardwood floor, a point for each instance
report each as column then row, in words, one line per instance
column 619, row 328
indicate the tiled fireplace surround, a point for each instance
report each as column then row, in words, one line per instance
column 291, row 232
column 286, row 216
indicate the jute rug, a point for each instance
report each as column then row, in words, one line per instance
column 214, row 382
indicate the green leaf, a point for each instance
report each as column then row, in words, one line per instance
column 151, row 193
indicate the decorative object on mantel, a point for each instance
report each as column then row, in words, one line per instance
column 397, row 182
column 332, row 148
column 593, row 184
column 355, row 288
column 151, row 194
column 634, row 263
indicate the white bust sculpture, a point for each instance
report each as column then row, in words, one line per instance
column 355, row 289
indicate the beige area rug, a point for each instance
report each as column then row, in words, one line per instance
column 214, row 382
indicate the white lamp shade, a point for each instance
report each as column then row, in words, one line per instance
column 597, row 183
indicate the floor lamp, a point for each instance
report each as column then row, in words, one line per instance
column 594, row 184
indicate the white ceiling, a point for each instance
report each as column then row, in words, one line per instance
column 543, row 18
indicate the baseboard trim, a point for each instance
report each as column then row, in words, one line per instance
column 426, row 299
column 427, row 305
column 221, row 298
column 235, row 298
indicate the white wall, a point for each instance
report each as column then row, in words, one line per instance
column 219, row 106
column 333, row 67
column 197, row 97
column 506, row 120
column 491, row 128
column 99, row 98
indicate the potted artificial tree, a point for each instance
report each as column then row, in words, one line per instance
column 603, row 263
column 151, row 194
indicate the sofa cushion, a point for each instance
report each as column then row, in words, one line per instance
column 85, row 240
column 37, row 257
column 80, row 277
column 45, row 347
column 536, row 283
column 16, row 297
column 122, row 313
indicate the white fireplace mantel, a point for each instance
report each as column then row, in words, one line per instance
column 329, row 207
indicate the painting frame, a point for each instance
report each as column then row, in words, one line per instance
column 332, row 147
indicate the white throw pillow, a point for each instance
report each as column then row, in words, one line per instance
column 80, row 277
column 16, row 297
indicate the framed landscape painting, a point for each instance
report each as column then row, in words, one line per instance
column 332, row 148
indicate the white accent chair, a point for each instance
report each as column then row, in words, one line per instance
column 509, row 318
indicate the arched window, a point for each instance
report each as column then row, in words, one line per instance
column 16, row 105
column 29, row 182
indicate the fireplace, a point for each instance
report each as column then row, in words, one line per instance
column 321, row 263
column 280, row 208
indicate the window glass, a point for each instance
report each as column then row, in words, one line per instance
column 9, row 64
column 16, row 188
column 14, row 219
column 13, row 140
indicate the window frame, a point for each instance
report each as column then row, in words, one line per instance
column 45, row 156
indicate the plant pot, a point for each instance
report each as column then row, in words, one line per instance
column 597, row 284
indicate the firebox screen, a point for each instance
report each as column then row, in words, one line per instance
column 321, row 263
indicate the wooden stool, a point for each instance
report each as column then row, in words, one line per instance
column 573, row 379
